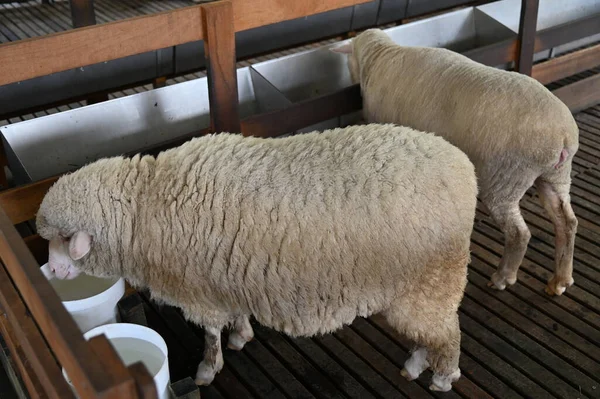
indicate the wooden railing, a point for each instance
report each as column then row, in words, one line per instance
column 215, row 23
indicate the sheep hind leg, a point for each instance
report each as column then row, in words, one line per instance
column 213, row 357
column 242, row 333
column 516, row 238
column 438, row 348
column 437, row 340
column 443, row 355
column 556, row 201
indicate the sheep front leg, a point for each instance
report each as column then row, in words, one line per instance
column 213, row 357
column 242, row 333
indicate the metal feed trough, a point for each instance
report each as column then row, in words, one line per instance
column 313, row 73
column 58, row 143
column 551, row 13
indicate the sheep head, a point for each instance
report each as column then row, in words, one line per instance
column 72, row 218
column 58, row 220
column 359, row 48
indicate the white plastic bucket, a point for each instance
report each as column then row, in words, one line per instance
column 91, row 301
column 134, row 343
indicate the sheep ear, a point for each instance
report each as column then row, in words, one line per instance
column 79, row 245
column 345, row 48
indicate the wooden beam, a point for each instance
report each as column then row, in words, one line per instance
column 580, row 95
column 22, row 203
column 219, row 47
column 44, row 55
column 567, row 65
column 84, row 367
column 526, row 42
column 37, row 365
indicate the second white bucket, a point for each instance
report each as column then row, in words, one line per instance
column 91, row 301
column 134, row 343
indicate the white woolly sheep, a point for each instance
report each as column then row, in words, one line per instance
column 303, row 233
column 514, row 130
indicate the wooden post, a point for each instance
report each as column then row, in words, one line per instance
column 526, row 42
column 219, row 46
column 185, row 389
column 131, row 309
column 161, row 81
column 82, row 13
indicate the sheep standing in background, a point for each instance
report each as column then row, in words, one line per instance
column 514, row 130
column 304, row 233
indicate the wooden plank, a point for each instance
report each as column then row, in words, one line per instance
column 526, row 42
column 185, row 389
column 580, row 95
column 144, row 383
column 219, row 46
column 567, row 65
column 26, row 382
column 7, row 360
column 58, row 327
column 31, row 58
column 22, row 203
column 37, row 365
column 82, row 13
column 35, row 57
column 131, row 309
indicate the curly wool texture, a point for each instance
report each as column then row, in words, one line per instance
column 504, row 121
column 304, row 233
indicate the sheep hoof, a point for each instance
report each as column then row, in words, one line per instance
column 404, row 372
column 558, row 286
column 236, row 342
column 434, row 387
column 206, row 373
column 443, row 383
column 499, row 282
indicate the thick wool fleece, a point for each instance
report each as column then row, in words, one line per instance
column 514, row 130
column 304, row 233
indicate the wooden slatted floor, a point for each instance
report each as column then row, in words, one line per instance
column 515, row 343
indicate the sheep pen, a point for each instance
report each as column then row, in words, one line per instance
column 303, row 233
column 515, row 131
